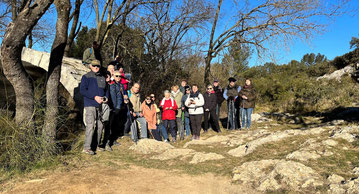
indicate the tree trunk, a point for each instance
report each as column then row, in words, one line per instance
column 54, row 72
column 11, row 48
column 73, row 32
column 30, row 41
column 207, row 69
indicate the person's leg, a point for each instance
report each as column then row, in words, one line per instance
column 99, row 128
column 163, row 131
column 249, row 117
column 206, row 120
column 193, row 124
column 198, row 124
column 231, row 116
column 180, row 128
column 143, row 124
column 188, row 128
column 173, row 129
column 108, row 128
column 89, row 120
column 242, row 115
column 214, row 119
column 156, row 134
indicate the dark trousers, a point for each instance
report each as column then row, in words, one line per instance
column 213, row 118
column 170, row 125
column 114, row 128
column 156, row 134
column 196, row 121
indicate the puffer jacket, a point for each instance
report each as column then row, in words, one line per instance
column 195, row 109
column 250, row 93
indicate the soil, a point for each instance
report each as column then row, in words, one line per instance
column 133, row 179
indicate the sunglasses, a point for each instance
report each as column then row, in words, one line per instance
column 117, row 76
column 98, row 66
column 152, row 96
column 209, row 88
column 148, row 98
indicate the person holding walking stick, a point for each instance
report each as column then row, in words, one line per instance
column 230, row 94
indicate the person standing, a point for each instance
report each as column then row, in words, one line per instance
column 118, row 115
column 92, row 53
column 183, row 85
column 176, row 94
column 93, row 89
column 150, row 114
column 210, row 102
column 219, row 94
column 185, row 111
column 195, row 102
column 160, row 126
column 134, row 96
column 230, row 94
column 169, row 108
column 247, row 97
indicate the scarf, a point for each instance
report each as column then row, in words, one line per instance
column 194, row 95
column 174, row 94
column 164, row 99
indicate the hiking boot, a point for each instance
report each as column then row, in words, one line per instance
column 89, row 152
column 109, row 148
column 101, row 149
column 116, row 143
column 167, row 141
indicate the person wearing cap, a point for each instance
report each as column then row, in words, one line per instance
column 169, row 107
column 185, row 110
column 93, row 90
column 195, row 102
column 230, row 94
column 176, row 94
column 210, row 102
column 219, row 94
column 92, row 53
column 118, row 115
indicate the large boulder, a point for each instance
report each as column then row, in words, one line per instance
column 148, row 146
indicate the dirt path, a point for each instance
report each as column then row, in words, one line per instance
column 108, row 179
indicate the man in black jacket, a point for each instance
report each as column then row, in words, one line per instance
column 219, row 94
column 210, row 103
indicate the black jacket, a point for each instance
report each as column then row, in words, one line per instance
column 210, row 101
column 219, row 93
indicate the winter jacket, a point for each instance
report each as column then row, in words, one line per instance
column 231, row 92
column 117, row 90
column 93, row 84
column 250, row 93
column 91, row 54
column 195, row 109
column 183, row 100
column 219, row 94
column 210, row 101
column 178, row 97
column 169, row 114
column 150, row 115
column 135, row 100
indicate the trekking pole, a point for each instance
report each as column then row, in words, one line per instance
column 229, row 110
column 233, row 115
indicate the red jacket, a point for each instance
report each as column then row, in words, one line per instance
column 169, row 114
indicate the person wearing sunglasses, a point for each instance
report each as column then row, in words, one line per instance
column 94, row 91
column 150, row 114
column 210, row 103
column 187, row 126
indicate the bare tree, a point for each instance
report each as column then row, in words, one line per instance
column 11, row 47
column 63, row 8
column 74, row 29
column 269, row 22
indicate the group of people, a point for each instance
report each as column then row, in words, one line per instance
column 110, row 106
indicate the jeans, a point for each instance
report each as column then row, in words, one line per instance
column 143, row 124
column 180, row 127
column 163, row 131
column 92, row 121
column 171, row 125
column 232, row 119
column 187, row 126
column 246, row 112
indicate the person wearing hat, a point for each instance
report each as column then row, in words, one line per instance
column 187, row 126
column 230, row 94
column 219, row 94
column 93, row 89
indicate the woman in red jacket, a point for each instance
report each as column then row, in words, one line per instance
column 169, row 108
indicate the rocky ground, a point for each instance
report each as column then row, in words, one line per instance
column 281, row 153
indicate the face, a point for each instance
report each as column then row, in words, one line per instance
column 121, row 70
column 167, row 95
column 175, row 89
column 248, row 82
column 136, row 88
column 153, row 98
column 95, row 68
column 95, row 46
column 118, row 58
column 209, row 88
column 215, row 84
column 117, row 77
column 232, row 83
column 188, row 91
column 148, row 100
column 194, row 88
column 183, row 83
column 111, row 69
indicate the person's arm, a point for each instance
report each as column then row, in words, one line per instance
column 187, row 102
column 225, row 94
column 84, row 88
column 174, row 105
column 252, row 95
column 200, row 100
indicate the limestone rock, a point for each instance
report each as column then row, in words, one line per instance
column 255, row 117
column 330, row 142
column 346, row 133
column 148, row 146
column 336, row 189
column 268, row 175
column 356, row 171
column 303, row 155
column 335, row 179
column 201, row 157
column 338, row 74
column 211, row 140
column 174, row 153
